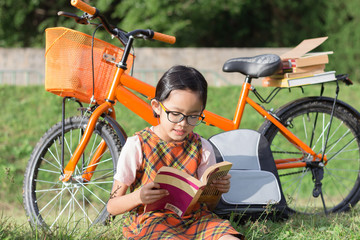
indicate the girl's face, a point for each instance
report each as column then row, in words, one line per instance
column 186, row 102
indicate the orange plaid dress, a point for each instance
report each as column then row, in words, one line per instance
column 164, row 224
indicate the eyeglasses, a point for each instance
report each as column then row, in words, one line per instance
column 176, row 117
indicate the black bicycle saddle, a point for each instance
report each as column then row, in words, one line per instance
column 257, row 66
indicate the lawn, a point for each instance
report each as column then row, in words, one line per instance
column 29, row 111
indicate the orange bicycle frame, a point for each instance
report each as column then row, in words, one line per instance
column 120, row 91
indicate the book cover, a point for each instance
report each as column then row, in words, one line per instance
column 288, row 64
column 300, row 81
column 185, row 190
column 304, row 47
column 311, row 60
column 302, row 74
column 309, row 68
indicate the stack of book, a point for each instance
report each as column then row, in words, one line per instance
column 299, row 67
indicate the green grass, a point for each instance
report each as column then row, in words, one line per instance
column 27, row 112
column 336, row 226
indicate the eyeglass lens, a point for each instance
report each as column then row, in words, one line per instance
column 176, row 117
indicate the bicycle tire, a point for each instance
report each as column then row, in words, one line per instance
column 49, row 202
column 341, row 181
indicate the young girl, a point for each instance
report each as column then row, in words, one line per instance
column 179, row 103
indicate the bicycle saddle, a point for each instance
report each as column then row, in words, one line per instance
column 257, row 66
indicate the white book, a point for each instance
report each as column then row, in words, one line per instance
column 316, row 78
column 300, row 81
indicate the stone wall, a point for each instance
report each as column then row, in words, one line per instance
column 27, row 65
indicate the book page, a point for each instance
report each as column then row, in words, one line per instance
column 182, row 188
column 210, row 194
column 311, row 54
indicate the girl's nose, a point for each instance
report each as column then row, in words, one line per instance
column 183, row 122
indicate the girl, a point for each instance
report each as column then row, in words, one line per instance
column 179, row 103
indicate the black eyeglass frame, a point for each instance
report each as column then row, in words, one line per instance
column 199, row 117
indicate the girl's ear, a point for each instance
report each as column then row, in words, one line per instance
column 155, row 107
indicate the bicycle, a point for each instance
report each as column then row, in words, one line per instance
column 59, row 188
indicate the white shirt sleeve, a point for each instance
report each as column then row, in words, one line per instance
column 208, row 157
column 129, row 161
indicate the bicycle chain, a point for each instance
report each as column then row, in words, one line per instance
column 295, row 153
column 292, row 173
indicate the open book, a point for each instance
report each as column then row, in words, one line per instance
column 185, row 190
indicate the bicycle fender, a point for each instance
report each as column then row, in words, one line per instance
column 281, row 110
column 118, row 129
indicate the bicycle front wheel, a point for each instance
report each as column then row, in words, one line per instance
column 310, row 120
column 52, row 203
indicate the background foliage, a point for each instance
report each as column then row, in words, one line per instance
column 204, row 23
column 196, row 23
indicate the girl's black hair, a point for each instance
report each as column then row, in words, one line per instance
column 181, row 78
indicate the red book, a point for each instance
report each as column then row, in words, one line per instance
column 185, row 191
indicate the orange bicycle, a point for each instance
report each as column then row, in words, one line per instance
column 314, row 140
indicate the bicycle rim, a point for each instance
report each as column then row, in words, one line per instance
column 340, row 183
column 52, row 203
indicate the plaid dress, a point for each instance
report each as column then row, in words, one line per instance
column 164, row 224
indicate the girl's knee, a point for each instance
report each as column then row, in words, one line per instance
column 228, row 237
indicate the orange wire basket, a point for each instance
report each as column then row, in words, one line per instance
column 68, row 65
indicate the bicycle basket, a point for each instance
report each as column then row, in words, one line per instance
column 68, row 64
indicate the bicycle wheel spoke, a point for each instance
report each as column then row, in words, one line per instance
column 48, row 171
column 305, row 128
column 82, row 209
column 60, row 214
column 57, row 167
column 104, row 176
column 89, row 202
column 43, row 181
column 44, row 193
column 56, row 159
column 345, row 151
column 83, row 202
column 334, row 144
column 339, row 180
column 85, row 187
column 97, row 185
column 53, row 199
column 68, row 147
column 321, row 135
column 59, row 199
column 293, row 180
column 298, row 188
column 334, row 132
column 93, row 150
column 98, row 163
column 341, row 150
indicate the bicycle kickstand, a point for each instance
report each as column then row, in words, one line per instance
column 318, row 175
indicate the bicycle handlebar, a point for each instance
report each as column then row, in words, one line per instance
column 164, row 38
column 147, row 33
column 84, row 7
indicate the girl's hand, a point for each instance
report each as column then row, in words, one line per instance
column 151, row 192
column 222, row 184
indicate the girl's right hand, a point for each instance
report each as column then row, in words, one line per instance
column 152, row 192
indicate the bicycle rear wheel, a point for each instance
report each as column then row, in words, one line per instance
column 52, row 203
column 309, row 120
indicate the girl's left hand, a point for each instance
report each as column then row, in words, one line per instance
column 222, row 184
